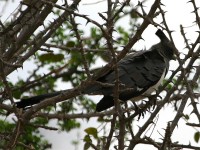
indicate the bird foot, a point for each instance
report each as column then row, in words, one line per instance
column 152, row 100
column 139, row 111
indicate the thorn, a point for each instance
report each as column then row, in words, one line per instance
column 193, row 12
column 171, row 31
column 104, row 18
column 141, row 38
column 162, row 4
column 88, row 21
column 165, row 12
column 189, row 1
column 161, row 22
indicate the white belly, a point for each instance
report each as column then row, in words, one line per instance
column 150, row 90
column 155, row 87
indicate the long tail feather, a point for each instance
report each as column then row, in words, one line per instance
column 35, row 100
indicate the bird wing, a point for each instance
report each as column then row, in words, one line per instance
column 137, row 73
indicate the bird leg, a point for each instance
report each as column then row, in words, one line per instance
column 140, row 111
column 153, row 99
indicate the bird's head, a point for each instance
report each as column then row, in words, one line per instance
column 167, row 48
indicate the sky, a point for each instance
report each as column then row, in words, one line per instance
column 178, row 12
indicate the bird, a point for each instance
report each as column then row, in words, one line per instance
column 139, row 74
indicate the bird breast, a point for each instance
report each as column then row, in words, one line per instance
column 150, row 90
column 155, row 87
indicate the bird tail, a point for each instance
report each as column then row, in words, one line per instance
column 35, row 99
column 27, row 102
column 93, row 89
column 105, row 103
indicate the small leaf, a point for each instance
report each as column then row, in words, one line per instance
column 17, row 94
column 86, row 146
column 50, row 57
column 87, row 139
column 133, row 14
column 70, row 44
column 187, row 117
column 169, row 86
column 197, row 136
column 92, row 131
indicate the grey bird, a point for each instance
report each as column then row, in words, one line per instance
column 139, row 75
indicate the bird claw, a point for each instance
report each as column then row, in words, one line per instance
column 141, row 112
column 138, row 111
column 153, row 99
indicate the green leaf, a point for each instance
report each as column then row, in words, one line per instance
column 197, row 136
column 187, row 117
column 17, row 94
column 92, row 131
column 67, row 125
column 169, row 86
column 86, row 146
column 87, row 138
column 50, row 57
column 70, row 44
column 133, row 14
